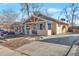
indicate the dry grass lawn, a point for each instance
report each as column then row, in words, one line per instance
column 13, row 44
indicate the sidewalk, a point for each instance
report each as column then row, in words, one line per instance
column 4, row 51
column 61, row 35
column 43, row 49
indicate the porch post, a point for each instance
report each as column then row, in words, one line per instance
column 30, row 29
column 25, row 29
column 45, row 29
column 46, row 26
column 14, row 28
column 38, row 25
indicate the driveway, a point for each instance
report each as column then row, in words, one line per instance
column 48, row 47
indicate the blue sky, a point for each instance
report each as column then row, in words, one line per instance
column 56, row 5
column 14, row 6
column 46, row 5
column 52, row 8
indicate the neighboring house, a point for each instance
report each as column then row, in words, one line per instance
column 74, row 29
column 18, row 27
column 44, row 25
column 6, row 27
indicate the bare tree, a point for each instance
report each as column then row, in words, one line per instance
column 31, row 8
column 10, row 15
column 71, row 12
column 36, row 8
column 25, row 8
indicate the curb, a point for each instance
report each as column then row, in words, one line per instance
column 73, row 50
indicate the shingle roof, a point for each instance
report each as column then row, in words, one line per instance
column 47, row 18
column 51, row 19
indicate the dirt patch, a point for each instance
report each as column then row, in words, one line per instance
column 13, row 44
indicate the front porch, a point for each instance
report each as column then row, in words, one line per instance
column 35, row 28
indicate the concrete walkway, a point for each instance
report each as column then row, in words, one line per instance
column 7, row 52
column 44, row 49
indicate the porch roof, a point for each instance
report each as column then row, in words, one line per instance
column 35, row 22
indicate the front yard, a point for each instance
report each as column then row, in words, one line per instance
column 13, row 44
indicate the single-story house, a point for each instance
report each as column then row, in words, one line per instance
column 44, row 25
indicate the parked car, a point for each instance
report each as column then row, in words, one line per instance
column 11, row 33
column 3, row 34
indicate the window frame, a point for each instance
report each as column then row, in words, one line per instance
column 41, row 27
column 49, row 26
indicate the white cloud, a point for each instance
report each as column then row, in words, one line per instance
column 53, row 10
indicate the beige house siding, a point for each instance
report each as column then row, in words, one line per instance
column 57, row 28
column 54, row 28
column 65, row 28
column 41, row 32
column 61, row 28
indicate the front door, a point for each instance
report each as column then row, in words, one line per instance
column 28, row 30
column 34, row 31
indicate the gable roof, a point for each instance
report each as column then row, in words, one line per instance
column 41, row 16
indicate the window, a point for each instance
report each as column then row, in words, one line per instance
column 41, row 26
column 49, row 26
